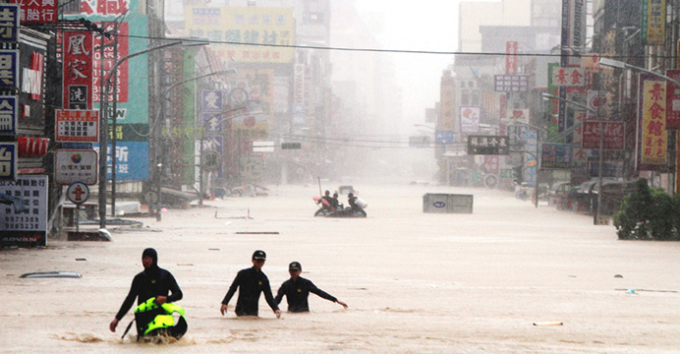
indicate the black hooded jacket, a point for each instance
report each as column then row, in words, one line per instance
column 152, row 282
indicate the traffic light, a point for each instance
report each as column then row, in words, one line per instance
column 517, row 174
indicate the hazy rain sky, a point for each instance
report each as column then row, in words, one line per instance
column 430, row 25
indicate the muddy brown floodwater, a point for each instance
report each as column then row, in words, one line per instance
column 414, row 282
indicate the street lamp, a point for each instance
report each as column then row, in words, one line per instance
column 161, row 118
column 104, row 124
column 621, row 65
column 600, row 150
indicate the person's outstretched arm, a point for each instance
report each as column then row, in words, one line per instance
column 127, row 303
column 230, row 293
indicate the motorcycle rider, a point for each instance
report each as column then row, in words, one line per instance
column 354, row 208
column 335, row 203
column 328, row 199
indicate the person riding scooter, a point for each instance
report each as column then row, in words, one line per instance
column 353, row 206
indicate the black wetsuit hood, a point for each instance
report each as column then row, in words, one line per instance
column 153, row 270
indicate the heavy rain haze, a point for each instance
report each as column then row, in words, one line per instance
column 476, row 212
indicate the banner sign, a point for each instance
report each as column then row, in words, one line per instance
column 77, row 126
column 511, row 83
column 236, row 26
column 672, row 101
column 9, row 23
column 556, row 156
column 38, row 11
column 653, row 22
column 567, row 77
column 530, row 169
column 446, row 108
column 23, row 222
column 132, row 160
column 9, row 159
column 8, row 115
column 652, row 137
column 212, row 101
column 77, row 70
column 253, row 127
column 122, row 74
column 613, row 135
column 577, row 30
column 9, row 69
column 511, row 57
column 469, row 119
column 579, row 117
column 76, row 166
column 488, row 145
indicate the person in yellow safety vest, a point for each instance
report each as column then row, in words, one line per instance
column 154, row 282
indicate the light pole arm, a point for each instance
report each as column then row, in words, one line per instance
column 132, row 55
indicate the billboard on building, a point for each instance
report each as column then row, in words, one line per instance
column 271, row 29
column 23, row 213
column 469, row 119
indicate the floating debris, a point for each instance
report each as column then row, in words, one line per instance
column 51, row 275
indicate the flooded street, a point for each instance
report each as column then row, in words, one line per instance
column 414, row 282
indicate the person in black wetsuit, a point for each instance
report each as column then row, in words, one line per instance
column 152, row 282
column 297, row 289
column 250, row 282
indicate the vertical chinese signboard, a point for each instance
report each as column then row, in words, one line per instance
column 132, row 109
column 672, row 101
column 511, row 57
column 653, row 22
column 447, row 99
column 77, row 70
column 23, row 222
column 652, row 133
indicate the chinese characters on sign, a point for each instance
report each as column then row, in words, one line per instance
column 488, row 145
column 511, row 83
column 556, row 156
column 77, row 70
column 9, row 156
column 272, row 30
column 652, row 122
column 613, row 135
column 672, row 101
column 9, row 23
column 447, row 99
column 8, row 115
column 9, row 69
column 567, row 77
column 75, row 166
column 77, row 126
column 24, row 221
column 511, row 57
column 38, row 11
column 653, row 21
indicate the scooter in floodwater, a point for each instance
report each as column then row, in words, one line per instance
column 327, row 209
